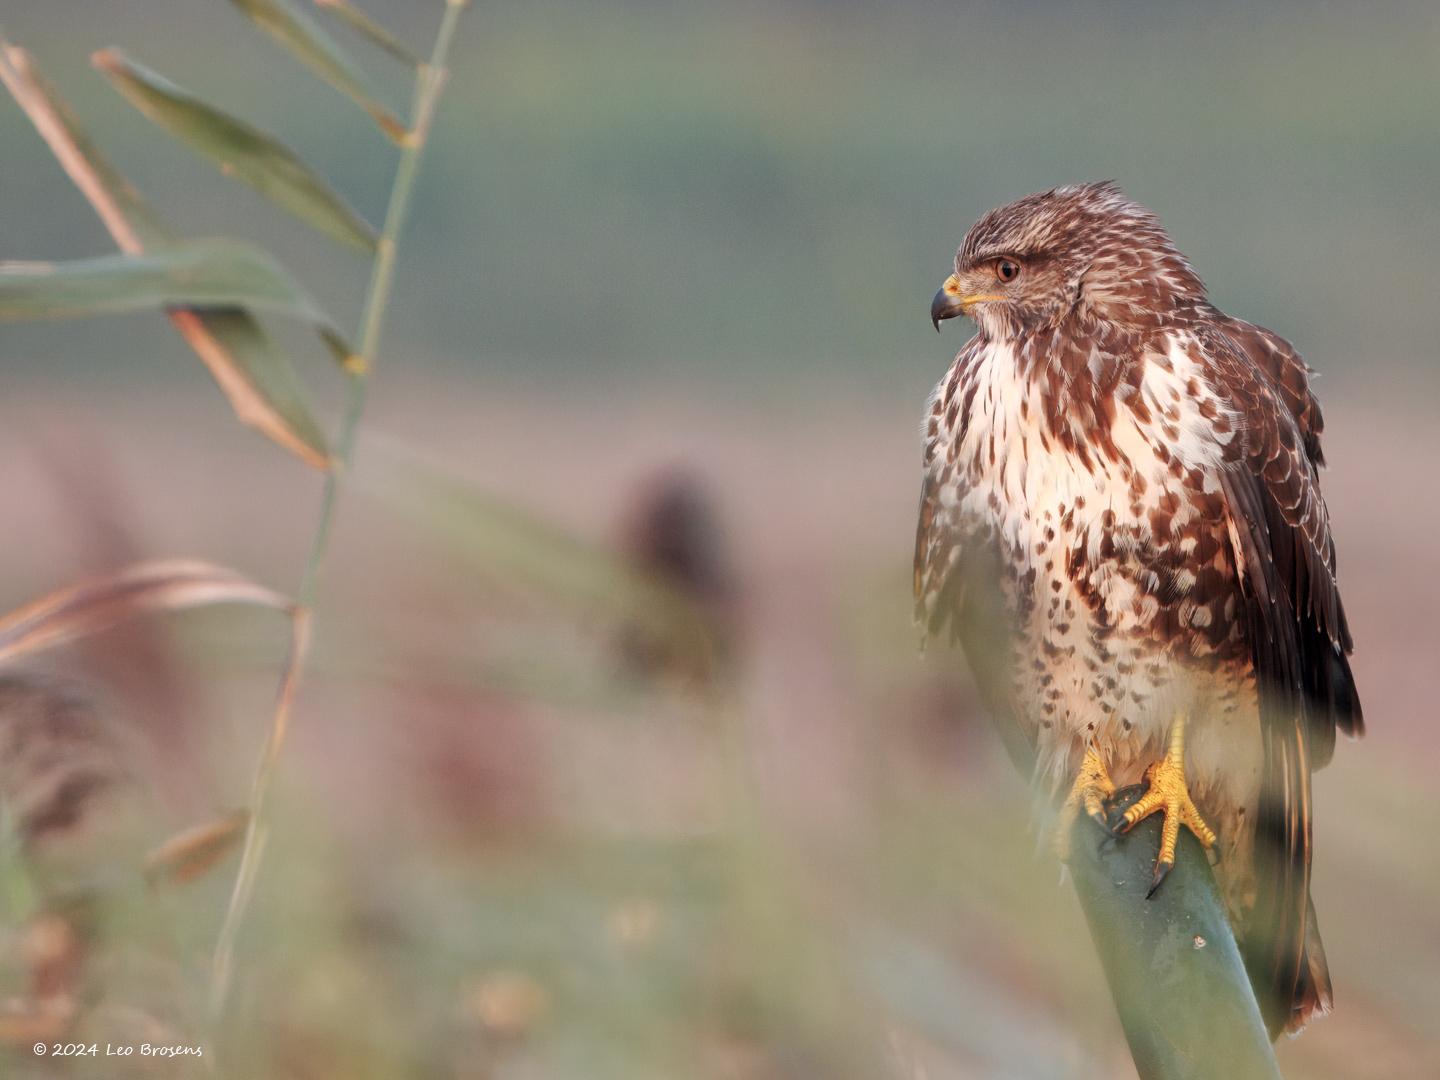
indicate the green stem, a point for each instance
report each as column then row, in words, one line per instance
column 431, row 81
column 1174, row 969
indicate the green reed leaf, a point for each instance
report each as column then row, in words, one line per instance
column 317, row 50
column 508, row 545
column 237, row 148
column 369, row 29
column 200, row 273
column 258, row 381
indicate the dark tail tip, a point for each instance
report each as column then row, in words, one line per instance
column 1311, row 995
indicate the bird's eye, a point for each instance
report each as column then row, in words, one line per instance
column 1007, row 270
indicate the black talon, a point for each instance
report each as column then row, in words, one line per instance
column 1162, row 871
column 1121, row 801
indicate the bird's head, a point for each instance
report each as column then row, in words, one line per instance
column 1085, row 252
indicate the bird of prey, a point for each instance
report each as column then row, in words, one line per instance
column 1121, row 522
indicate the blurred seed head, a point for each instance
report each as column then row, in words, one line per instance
column 635, row 922
column 673, row 532
column 65, row 781
column 507, row 1004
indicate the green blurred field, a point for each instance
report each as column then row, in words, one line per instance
column 772, row 191
column 701, row 237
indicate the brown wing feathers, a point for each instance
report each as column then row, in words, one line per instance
column 1267, row 382
column 1300, row 640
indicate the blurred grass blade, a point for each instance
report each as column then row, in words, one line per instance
column 196, row 851
column 955, row 1007
column 119, row 205
column 507, row 545
column 240, row 150
column 200, row 273
column 258, row 381
column 368, row 28
column 304, row 37
column 100, row 603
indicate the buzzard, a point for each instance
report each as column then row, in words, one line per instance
column 1121, row 522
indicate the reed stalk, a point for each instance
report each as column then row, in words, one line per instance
column 430, row 82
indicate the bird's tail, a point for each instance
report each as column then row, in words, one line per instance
column 1282, row 943
column 1312, row 994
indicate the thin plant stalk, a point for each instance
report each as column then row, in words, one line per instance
column 430, row 82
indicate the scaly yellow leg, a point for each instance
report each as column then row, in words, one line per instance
column 1167, row 793
column 1091, row 788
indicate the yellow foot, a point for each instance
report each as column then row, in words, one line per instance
column 1091, row 789
column 1167, row 793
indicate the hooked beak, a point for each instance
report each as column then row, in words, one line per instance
column 949, row 303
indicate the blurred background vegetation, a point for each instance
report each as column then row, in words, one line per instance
column 666, row 286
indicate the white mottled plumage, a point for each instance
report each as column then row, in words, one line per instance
column 1039, row 500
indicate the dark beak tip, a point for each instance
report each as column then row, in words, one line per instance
column 940, row 309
